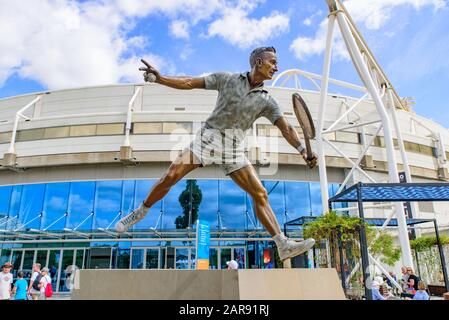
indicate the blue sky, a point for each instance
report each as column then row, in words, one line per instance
column 54, row 44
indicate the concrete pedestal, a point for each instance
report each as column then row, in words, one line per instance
column 251, row 284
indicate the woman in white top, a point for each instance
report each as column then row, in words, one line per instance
column 45, row 280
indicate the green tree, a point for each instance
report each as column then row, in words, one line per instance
column 190, row 200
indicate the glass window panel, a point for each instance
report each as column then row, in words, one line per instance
column 81, row 202
column 425, row 150
column 209, row 203
column 107, row 203
column 147, row 127
column 192, row 258
column 213, row 258
column 16, row 262
column 5, row 198
column 331, row 136
column 232, row 205
column 347, row 136
column 79, row 259
column 28, row 263
column 14, row 207
column 32, row 207
column 58, row 132
column 53, row 265
column 182, row 258
column 28, row 135
column 225, row 256
column 41, row 257
column 110, row 129
column 67, row 260
column 240, row 257
column 129, row 189
column 137, row 259
column 6, row 256
column 5, row 137
column 172, row 207
column 152, row 259
column 99, row 258
column 276, row 198
column 84, row 130
column 315, row 192
column 412, row 147
column 55, row 206
column 123, row 258
column 162, row 263
column 297, row 199
column 177, row 127
column 142, row 189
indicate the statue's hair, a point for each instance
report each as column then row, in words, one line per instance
column 257, row 53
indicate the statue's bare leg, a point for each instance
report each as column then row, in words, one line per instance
column 248, row 180
column 179, row 168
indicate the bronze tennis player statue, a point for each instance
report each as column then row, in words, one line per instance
column 241, row 100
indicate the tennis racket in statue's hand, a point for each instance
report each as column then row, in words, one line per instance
column 305, row 121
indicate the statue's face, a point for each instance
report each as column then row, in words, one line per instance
column 267, row 65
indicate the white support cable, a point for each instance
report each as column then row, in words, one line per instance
column 8, row 219
column 314, row 76
column 55, row 222
column 90, row 215
column 285, row 81
column 352, row 126
column 11, row 148
column 347, row 112
column 113, row 220
column 349, row 160
column 158, row 219
column 357, row 163
column 23, row 226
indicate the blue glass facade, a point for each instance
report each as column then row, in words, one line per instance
column 90, row 205
column 95, row 204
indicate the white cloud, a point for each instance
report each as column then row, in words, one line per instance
column 186, row 53
column 307, row 21
column 196, row 10
column 373, row 14
column 66, row 44
column 304, row 47
column 310, row 20
column 237, row 28
column 179, row 29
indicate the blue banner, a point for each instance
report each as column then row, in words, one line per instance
column 202, row 244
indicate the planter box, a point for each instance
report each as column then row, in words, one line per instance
column 436, row 290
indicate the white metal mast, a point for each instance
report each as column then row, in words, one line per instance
column 382, row 94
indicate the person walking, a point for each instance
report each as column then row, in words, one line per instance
column 45, row 281
column 20, row 287
column 232, row 265
column 33, row 288
column 6, row 279
column 242, row 99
